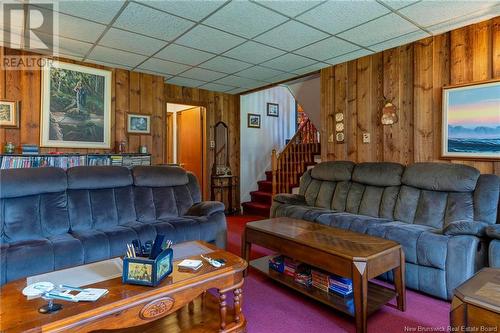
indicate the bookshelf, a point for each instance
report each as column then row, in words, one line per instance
column 65, row 161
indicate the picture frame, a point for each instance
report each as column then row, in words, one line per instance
column 471, row 121
column 76, row 106
column 253, row 120
column 273, row 109
column 138, row 123
column 148, row 272
column 9, row 114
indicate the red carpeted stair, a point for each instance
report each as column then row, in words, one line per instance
column 261, row 199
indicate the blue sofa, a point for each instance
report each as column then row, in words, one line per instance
column 493, row 232
column 438, row 212
column 51, row 219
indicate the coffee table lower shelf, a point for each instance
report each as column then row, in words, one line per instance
column 378, row 295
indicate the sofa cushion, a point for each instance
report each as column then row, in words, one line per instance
column 447, row 177
column 486, row 199
column 68, row 251
column 31, row 181
column 493, row 231
column 378, row 173
column 118, row 238
column 307, row 213
column 333, row 171
column 159, row 176
column 347, row 221
column 28, row 257
column 473, row 228
column 98, row 177
column 494, row 253
column 206, row 208
column 95, row 244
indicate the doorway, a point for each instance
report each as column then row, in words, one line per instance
column 185, row 140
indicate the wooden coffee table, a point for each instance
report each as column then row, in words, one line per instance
column 131, row 305
column 475, row 306
column 353, row 255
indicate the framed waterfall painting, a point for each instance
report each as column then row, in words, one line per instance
column 76, row 106
column 471, row 121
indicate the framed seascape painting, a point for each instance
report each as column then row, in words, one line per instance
column 471, row 121
column 138, row 124
column 9, row 114
column 76, row 106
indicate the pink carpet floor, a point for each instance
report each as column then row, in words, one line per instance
column 272, row 308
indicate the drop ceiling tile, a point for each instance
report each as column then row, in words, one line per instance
column 152, row 22
column 108, row 64
column 288, row 62
column 73, row 47
column 289, row 8
column 282, row 77
column 337, row 16
column 244, row 18
column 184, row 55
column 216, row 87
column 465, row 20
column 349, row 56
column 259, row 73
column 428, row 13
column 192, row 9
column 236, row 91
column 398, row 41
column 209, row 39
column 225, row 65
column 163, row 66
column 165, row 76
column 99, row 11
column 398, row 4
column 253, row 52
column 128, row 41
column 186, row 82
column 202, row 74
column 105, row 54
column 310, row 68
column 327, row 48
column 237, row 81
column 75, row 28
column 379, row 30
column 291, row 35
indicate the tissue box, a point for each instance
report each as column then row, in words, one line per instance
column 145, row 271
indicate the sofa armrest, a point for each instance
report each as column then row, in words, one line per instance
column 472, row 228
column 493, row 231
column 290, row 199
column 205, row 208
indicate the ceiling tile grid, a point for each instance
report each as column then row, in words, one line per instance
column 236, row 45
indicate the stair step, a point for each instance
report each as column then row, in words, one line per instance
column 255, row 208
column 265, row 185
column 262, row 197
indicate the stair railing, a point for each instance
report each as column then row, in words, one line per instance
column 290, row 162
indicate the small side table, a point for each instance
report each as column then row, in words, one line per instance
column 475, row 306
column 222, row 185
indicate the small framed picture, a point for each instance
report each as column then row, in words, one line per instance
column 9, row 114
column 273, row 110
column 253, row 120
column 138, row 124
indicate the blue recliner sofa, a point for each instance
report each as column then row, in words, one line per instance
column 493, row 232
column 51, row 219
column 438, row 212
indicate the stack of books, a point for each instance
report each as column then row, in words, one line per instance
column 303, row 275
column 320, row 280
column 98, row 160
column 340, row 285
column 28, row 149
column 116, row 160
column 290, row 267
column 277, row 264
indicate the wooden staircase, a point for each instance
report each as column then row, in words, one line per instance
column 287, row 168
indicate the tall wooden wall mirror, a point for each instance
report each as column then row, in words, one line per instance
column 221, row 158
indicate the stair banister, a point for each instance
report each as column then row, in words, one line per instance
column 285, row 165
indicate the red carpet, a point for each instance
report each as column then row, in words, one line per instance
column 272, row 308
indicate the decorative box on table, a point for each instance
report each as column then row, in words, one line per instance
column 145, row 271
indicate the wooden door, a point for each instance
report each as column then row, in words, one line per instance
column 190, row 142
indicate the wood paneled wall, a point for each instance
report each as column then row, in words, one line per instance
column 132, row 92
column 412, row 77
column 219, row 107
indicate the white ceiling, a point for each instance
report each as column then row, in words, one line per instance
column 234, row 46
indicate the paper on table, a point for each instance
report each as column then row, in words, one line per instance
column 82, row 275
